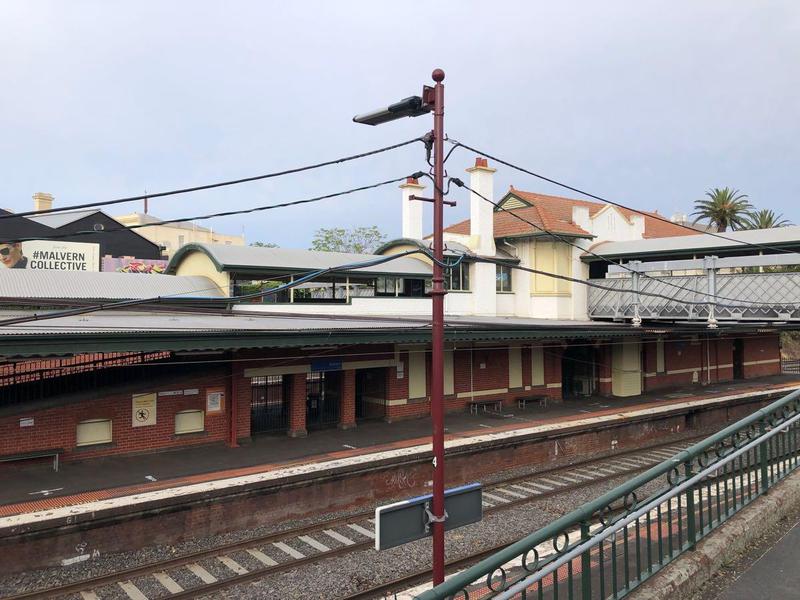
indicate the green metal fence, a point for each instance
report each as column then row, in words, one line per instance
column 609, row 546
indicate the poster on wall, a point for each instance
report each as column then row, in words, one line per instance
column 215, row 400
column 50, row 255
column 143, row 410
column 128, row 264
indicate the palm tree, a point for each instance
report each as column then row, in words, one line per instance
column 764, row 219
column 725, row 207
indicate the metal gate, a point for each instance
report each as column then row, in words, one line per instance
column 269, row 404
column 323, row 396
column 370, row 394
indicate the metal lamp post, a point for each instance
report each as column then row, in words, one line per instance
column 432, row 99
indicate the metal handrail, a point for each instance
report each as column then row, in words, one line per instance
column 754, row 427
column 687, row 484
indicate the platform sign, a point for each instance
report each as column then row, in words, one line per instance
column 409, row 520
column 326, row 365
column 143, row 410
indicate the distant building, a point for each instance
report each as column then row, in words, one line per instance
column 70, row 240
column 171, row 236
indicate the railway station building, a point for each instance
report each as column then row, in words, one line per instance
column 193, row 362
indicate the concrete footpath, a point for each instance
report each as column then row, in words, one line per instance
column 774, row 575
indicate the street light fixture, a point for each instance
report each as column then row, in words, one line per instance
column 432, row 99
column 413, row 106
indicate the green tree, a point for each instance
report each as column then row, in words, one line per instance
column 764, row 219
column 263, row 245
column 724, row 208
column 357, row 239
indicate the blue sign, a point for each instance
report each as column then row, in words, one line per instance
column 326, row 365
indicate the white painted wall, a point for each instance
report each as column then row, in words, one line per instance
column 357, row 306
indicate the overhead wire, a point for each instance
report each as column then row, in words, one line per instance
column 226, row 300
column 565, row 240
column 219, row 214
column 218, row 184
column 618, row 204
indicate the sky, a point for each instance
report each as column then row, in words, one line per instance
column 647, row 103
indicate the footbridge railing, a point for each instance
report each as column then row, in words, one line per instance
column 609, row 546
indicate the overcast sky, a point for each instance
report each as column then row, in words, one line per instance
column 648, row 103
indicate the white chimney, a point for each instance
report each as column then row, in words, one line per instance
column 412, row 209
column 481, row 212
column 42, row 201
column 679, row 218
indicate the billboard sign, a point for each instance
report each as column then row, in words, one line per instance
column 50, row 255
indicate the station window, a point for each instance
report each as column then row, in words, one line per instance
column 503, row 278
column 93, row 431
column 386, row 286
column 456, row 278
column 189, row 421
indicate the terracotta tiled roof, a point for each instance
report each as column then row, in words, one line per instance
column 554, row 213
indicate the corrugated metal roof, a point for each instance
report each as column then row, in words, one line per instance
column 703, row 241
column 231, row 258
column 150, row 321
column 77, row 285
column 57, row 220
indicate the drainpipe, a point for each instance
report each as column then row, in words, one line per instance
column 709, row 264
column 635, row 265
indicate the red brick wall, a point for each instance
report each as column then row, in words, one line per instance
column 758, row 349
column 297, row 405
column 468, row 374
column 347, row 415
column 57, row 427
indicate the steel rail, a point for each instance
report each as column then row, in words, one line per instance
column 403, row 583
column 179, row 561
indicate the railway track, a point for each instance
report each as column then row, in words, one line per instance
column 209, row 571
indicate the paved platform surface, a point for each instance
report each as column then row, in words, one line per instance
column 30, row 488
column 774, row 575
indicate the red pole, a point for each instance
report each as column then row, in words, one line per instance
column 437, row 332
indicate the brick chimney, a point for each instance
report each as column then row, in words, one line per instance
column 412, row 209
column 481, row 213
column 42, row 201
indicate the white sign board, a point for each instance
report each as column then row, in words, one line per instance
column 143, row 407
column 214, row 401
column 50, row 255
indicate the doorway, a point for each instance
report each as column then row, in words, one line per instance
column 323, row 397
column 738, row 358
column 578, row 372
column 269, row 404
column 370, row 394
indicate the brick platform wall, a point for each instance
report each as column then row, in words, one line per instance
column 762, row 356
column 57, row 427
column 347, row 415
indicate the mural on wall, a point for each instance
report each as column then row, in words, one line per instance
column 128, row 264
column 50, row 255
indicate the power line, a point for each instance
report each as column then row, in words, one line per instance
column 156, row 299
column 220, row 214
column 219, row 184
column 513, row 213
column 601, row 199
column 593, row 284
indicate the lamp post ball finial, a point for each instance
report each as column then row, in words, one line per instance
column 438, row 75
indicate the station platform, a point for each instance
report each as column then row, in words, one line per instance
column 36, row 493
